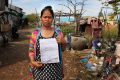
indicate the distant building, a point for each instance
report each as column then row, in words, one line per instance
column 94, row 25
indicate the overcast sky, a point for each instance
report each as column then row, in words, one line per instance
column 92, row 7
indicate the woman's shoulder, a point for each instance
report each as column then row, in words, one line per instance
column 58, row 30
column 35, row 31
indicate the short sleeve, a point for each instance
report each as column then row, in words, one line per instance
column 32, row 43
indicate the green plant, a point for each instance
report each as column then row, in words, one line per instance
column 110, row 33
column 67, row 29
column 32, row 17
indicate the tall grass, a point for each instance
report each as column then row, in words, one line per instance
column 111, row 33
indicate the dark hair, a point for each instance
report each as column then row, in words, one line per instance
column 47, row 8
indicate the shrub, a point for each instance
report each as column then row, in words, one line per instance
column 67, row 29
column 110, row 33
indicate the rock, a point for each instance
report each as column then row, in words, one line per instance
column 78, row 43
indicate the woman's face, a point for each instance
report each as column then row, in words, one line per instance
column 47, row 18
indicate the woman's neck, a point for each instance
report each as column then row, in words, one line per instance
column 47, row 28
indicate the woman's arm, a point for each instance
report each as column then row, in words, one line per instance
column 32, row 52
column 61, row 40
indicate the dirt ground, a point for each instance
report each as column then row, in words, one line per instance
column 14, row 58
column 15, row 66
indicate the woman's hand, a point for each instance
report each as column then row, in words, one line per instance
column 60, row 39
column 36, row 64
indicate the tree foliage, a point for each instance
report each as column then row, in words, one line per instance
column 100, row 14
column 115, row 7
column 32, row 17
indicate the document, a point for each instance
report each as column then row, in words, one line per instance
column 49, row 50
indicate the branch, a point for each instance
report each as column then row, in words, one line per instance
column 81, row 11
column 71, row 2
column 67, row 7
column 112, row 2
column 79, row 3
column 84, row 11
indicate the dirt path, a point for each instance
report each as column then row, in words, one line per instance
column 15, row 61
column 14, row 58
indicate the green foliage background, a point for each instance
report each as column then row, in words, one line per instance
column 32, row 17
column 67, row 29
column 110, row 33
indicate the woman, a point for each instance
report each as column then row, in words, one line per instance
column 41, row 71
